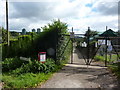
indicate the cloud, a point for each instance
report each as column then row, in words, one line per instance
column 18, row 24
column 2, row 13
column 31, row 10
column 107, row 8
column 76, row 13
column 47, row 10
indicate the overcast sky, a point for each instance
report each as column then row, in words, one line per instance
column 78, row 14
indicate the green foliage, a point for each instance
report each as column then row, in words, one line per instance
column 35, row 67
column 115, row 67
column 102, row 58
column 20, row 47
column 99, row 58
column 11, row 64
column 65, row 51
column 57, row 25
column 44, row 41
column 26, row 80
column 91, row 33
column 14, row 35
column 29, row 45
column 61, row 41
column 92, row 38
column 52, row 37
column 4, row 35
column 24, row 45
column 30, row 74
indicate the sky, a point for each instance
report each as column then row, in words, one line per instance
column 79, row 14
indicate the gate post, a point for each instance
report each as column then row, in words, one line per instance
column 72, row 49
column 88, row 46
column 106, row 49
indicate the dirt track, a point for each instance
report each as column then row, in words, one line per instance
column 78, row 75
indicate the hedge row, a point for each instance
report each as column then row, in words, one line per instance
column 29, row 45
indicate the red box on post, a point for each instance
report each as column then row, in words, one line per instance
column 42, row 57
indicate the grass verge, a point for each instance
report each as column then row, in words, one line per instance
column 102, row 58
column 26, row 80
column 115, row 69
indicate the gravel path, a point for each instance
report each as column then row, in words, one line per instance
column 78, row 75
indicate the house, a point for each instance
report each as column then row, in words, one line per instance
column 112, row 37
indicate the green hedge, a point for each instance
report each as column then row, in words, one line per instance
column 29, row 45
column 20, row 47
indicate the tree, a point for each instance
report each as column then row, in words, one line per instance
column 4, row 35
column 91, row 33
column 58, row 29
column 56, row 25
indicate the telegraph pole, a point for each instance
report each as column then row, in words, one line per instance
column 7, row 22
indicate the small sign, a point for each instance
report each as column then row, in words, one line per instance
column 71, row 34
column 42, row 57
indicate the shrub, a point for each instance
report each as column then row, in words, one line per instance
column 11, row 64
column 36, row 67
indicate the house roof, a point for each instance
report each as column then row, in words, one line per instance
column 108, row 33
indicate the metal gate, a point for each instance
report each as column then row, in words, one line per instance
column 92, row 50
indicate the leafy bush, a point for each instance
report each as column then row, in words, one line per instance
column 36, row 67
column 11, row 64
column 30, row 74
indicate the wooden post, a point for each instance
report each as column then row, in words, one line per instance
column 7, row 27
column 106, row 49
column 88, row 46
